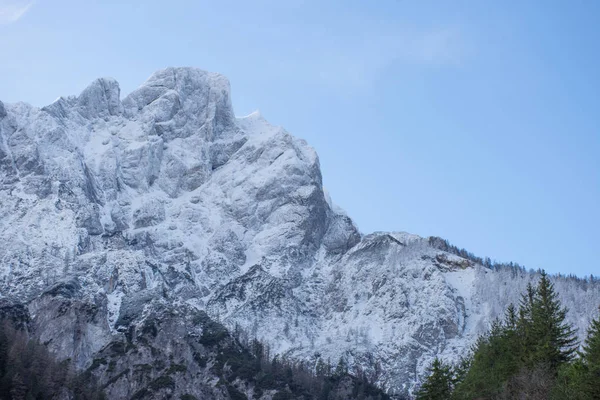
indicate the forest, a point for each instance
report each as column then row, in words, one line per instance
column 29, row 371
column 532, row 353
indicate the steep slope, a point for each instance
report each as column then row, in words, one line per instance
column 166, row 198
column 195, row 358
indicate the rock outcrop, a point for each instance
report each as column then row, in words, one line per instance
column 164, row 206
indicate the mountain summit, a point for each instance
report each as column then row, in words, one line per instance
column 164, row 210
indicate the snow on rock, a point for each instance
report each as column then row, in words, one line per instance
column 165, row 196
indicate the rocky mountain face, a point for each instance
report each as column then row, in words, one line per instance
column 150, row 216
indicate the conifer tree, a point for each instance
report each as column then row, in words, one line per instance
column 591, row 348
column 438, row 385
column 496, row 357
column 523, row 327
column 526, row 303
column 342, row 367
column 554, row 341
column 511, row 317
column 461, row 369
column 590, row 358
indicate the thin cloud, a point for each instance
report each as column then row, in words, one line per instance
column 439, row 47
column 12, row 11
column 359, row 63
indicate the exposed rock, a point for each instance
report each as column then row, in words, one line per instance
column 150, row 212
column 100, row 99
column 119, row 216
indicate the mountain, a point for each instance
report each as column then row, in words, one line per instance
column 124, row 217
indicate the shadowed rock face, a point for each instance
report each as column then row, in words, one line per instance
column 114, row 210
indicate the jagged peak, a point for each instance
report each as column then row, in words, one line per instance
column 172, row 78
column 100, row 99
column 60, row 106
column 256, row 124
column 197, row 93
column 185, row 81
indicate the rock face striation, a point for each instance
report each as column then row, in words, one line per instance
column 164, row 206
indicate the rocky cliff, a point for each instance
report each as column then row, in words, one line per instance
column 163, row 206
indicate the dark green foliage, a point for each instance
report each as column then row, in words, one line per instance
column 251, row 362
column 529, row 355
column 117, row 348
column 342, row 367
column 175, row 368
column 213, row 333
column 28, row 370
column 444, row 245
column 554, row 341
column 111, row 366
column 570, row 382
column 200, row 360
column 591, row 347
column 116, row 377
column 162, row 382
column 511, row 317
column 235, row 394
column 96, row 363
column 439, row 382
column 495, row 359
column 150, row 328
column 590, row 358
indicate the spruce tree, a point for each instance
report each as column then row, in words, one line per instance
column 554, row 341
column 496, row 357
column 438, row 385
column 461, row 369
column 511, row 317
column 591, row 348
column 342, row 367
column 523, row 328
column 590, row 358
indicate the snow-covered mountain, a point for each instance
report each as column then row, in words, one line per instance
column 110, row 207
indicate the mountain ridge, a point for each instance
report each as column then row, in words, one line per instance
column 167, row 195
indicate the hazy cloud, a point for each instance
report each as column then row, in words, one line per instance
column 359, row 62
column 12, row 10
column 439, row 47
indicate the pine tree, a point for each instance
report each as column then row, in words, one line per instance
column 590, row 358
column 591, row 347
column 526, row 303
column 554, row 341
column 523, row 326
column 511, row 317
column 438, row 385
column 570, row 382
column 496, row 357
column 342, row 367
column 461, row 369
column 321, row 368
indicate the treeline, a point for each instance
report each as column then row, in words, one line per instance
column 515, row 268
column 444, row 245
column 531, row 354
column 293, row 379
column 29, row 371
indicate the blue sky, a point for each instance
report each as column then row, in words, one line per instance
column 475, row 121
